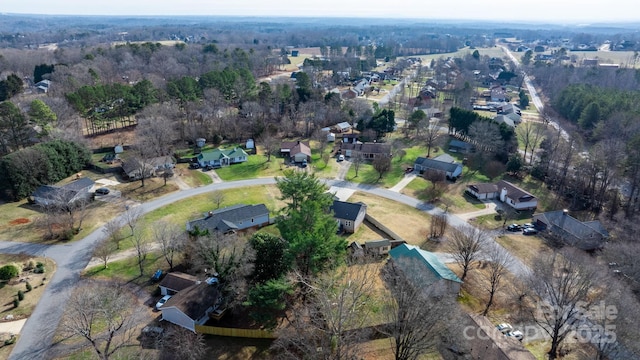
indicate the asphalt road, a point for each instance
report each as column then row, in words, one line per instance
column 37, row 334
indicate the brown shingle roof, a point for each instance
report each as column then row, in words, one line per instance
column 289, row 145
column 178, row 281
column 194, row 300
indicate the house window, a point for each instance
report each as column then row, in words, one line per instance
column 347, row 223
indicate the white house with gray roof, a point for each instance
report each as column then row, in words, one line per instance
column 443, row 163
column 349, row 215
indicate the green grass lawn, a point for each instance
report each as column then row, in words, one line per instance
column 127, row 270
column 255, row 166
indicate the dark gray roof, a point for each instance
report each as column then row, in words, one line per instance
column 460, row 144
column 368, row 148
column 346, row 210
column 436, row 164
column 561, row 222
column 225, row 219
column 65, row 192
column 377, row 243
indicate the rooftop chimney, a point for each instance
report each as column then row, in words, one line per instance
column 565, row 213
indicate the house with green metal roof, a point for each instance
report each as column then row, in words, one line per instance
column 220, row 157
column 423, row 269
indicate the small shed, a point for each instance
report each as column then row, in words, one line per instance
column 250, row 144
column 118, row 149
column 200, row 142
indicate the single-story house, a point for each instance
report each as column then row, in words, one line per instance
column 508, row 193
column 134, row 169
column 509, row 108
column 232, row 218
column 462, row 147
column 377, row 247
column 504, row 119
column 451, row 170
column 349, row 215
column 162, row 162
column 589, row 235
column 349, row 94
column 483, row 191
column 342, row 127
column 485, row 341
column 367, row 150
column 220, row 157
column 175, row 282
column 192, row 306
column 296, row 151
column 50, row 195
column 497, row 94
column 423, row 269
column 43, row 86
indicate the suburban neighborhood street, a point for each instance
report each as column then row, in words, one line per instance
column 71, row 259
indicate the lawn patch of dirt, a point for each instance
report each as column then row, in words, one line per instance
column 19, row 221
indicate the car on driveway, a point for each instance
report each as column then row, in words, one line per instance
column 504, row 328
column 162, row 301
column 528, row 225
column 102, row 191
column 517, row 334
column 340, row 158
column 529, row 231
column 514, row 227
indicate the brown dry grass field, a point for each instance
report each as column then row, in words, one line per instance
column 412, row 226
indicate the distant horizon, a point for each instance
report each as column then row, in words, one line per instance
column 559, row 12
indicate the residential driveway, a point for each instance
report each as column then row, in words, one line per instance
column 404, row 182
column 341, row 193
column 12, row 327
column 343, row 170
column 490, row 208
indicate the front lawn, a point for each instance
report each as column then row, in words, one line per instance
column 28, row 274
column 127, row 270
column 255, row 166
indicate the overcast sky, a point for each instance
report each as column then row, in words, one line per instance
column 557, row 11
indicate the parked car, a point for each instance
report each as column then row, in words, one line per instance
column 162, row 301
column 194, row 165
column 102, row 191
column 514, row 227
column 304, row 163
column 504, row 328
column 517, row 334
column 528, row 225
column 529, row 231
column 340, row 158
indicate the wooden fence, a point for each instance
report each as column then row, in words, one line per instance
column 233, row 332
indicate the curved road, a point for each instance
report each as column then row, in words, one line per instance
column 37, row 334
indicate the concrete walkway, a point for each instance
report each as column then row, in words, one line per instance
column 404, row 182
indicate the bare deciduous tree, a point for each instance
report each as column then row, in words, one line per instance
column 499, row 261
column 332, row 322
column 104, row 250
column 382, row 165
column 131, row 216
column 171, row 240
column 356, row 161
column 180, row 343
column 112, row 230
column 417, row 318
column 564, row 285
column 104, row 315
column 218, row 198
column 141, row 246
column 432, row 135
column 465, row 244
column 438, row 225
